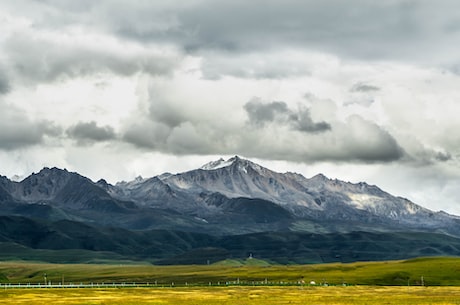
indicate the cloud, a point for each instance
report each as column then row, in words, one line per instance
column 89, row 132
column 272, row 130
column 355, row 141
column 279, row 64
column 49, row 56
column 169, row 114
column 261, row 113
column 257, row 39
column 363, row 94
column 302, row 121
column 363, row 87
column 4, row 83
column 373, row 30
column 366, row 141
column 395, row 30
column 420, row 154
column 18, row 131
column 147, row 134
column 443, row 156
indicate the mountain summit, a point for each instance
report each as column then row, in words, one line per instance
column 208, row 191
column 227, row 199
column 225, row 195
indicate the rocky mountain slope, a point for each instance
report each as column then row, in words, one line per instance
column 221, row 200
column 201, row 192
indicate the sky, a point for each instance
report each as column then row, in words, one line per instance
column 357, row 90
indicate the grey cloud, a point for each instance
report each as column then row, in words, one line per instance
column 147, row 134
column 222, row 30
column 18, row 131
column 268, row 65
column 261, row 113
column 274, row 132
column 353, row 141
column 423, row 156
column 366, row 102
column 443, row 156
column 302, row 121
column 270, row 136
column 87, row 132
column 166, row 113
column 4, row 84
column 363, row 94
column 363, row 87
column 368, row 142
column 39, row 59
column 395, row 29
column 184, row 139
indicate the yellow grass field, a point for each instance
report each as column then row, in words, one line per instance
column 235, row 295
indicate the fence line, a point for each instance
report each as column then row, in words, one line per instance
column 152, row 285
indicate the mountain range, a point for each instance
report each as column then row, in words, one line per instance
column 225, row 209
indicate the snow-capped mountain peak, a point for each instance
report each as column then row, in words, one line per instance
column 221, row 188
column 216, row 164
column 241, row 164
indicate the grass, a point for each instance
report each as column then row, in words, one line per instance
column 435, row 271
column 358, row 295
column 373, row 283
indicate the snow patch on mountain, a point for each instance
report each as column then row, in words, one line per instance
column 363, row 201
column 318, row 197
column 131, row 184
column 213, row 165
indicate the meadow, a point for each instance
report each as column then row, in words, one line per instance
column 436, row 271
column 245, row 295
column 417, row 281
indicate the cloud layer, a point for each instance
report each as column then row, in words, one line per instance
column 360, row 84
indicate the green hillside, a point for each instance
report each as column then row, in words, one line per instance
column 435, row 271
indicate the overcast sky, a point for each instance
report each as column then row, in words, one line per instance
column 357, row 90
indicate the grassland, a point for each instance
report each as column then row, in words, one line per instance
column 358, row 295
column 435, row 272
column 241, row 282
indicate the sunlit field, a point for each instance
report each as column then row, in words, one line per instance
column 434, row 271
column 396, row 282
column 236, row 295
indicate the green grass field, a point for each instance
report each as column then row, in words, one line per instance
column 435, row 272
column 358, row 295
column 259, row 283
